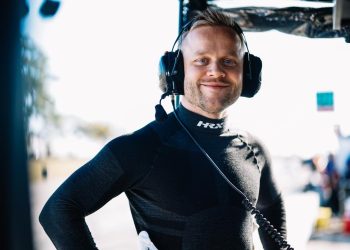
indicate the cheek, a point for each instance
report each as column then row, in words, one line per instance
column 189, row 87
column 192, row 71
column 190, row 81
column 237, row 76
column 191, row 74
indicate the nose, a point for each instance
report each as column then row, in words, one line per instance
column 215, row 70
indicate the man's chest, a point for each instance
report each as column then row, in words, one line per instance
column 187, row 179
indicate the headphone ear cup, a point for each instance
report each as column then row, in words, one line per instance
column 252, row 66
column 171, row 73
column 162, row 72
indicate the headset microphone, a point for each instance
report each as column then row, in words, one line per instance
column 161, row 114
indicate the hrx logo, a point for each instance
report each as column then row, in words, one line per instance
column 210, row 125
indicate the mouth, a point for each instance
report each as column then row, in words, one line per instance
column 214, row 85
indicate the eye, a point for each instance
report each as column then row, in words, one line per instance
column 229, row 62
column 201, row 61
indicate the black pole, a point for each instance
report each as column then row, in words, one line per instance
column 14, row 192
column 194, row 5
column 181, row 15
column 181, row 23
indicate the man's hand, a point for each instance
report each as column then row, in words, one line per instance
column 145, row 241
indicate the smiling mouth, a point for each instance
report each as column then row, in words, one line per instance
column 214, row 85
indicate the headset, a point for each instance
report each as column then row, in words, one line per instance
column 171, row 76
column 171, row 67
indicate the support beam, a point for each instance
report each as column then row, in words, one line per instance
column 14, row 192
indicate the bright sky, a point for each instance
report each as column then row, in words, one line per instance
column 105, row 56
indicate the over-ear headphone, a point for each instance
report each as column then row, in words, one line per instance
column 171, row 68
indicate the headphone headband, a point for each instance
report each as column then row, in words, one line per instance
column 188, row 26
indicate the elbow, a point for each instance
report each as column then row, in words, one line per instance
column 59, row 213
column 47, row 215
column 53, row 215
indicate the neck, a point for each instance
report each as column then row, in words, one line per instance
column 198, row 110
column 196, row 122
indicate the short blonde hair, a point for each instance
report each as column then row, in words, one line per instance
column 212, row 17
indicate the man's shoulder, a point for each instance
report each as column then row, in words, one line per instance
column 140, row 136
column 253, row 140
column 243, row 134
column 250, row 137
column 148, row 135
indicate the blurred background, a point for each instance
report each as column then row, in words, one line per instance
column 89, row 73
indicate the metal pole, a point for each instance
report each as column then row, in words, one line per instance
column 181, row 22
column 14, row 189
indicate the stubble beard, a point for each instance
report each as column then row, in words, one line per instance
column 212, row 106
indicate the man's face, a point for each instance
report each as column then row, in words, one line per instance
column 213, row 64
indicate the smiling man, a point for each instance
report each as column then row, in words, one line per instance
column 178, row 173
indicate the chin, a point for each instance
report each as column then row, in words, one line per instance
column 213, row 109
column 215, row 106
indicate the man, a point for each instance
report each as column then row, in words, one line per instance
column 343, row 152
column 178, row 198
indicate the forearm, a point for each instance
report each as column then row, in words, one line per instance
column 277, row 217
column 65, row 225
column 84, row 192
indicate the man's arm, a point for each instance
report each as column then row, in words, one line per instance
column 84, row 192
column 270, row 204
column 277, row 217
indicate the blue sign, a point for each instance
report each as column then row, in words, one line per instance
column 325, row 101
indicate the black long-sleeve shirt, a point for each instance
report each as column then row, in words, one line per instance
column 175, row 193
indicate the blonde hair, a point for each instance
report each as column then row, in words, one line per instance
column 212, row 17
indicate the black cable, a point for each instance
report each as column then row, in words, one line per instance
column 205, row 153
column 248, row 205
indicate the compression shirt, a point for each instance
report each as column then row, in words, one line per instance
column 174, row 192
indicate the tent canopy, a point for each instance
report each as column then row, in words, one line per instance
column 324, row 22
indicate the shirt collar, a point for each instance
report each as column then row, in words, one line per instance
column 199, row 123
